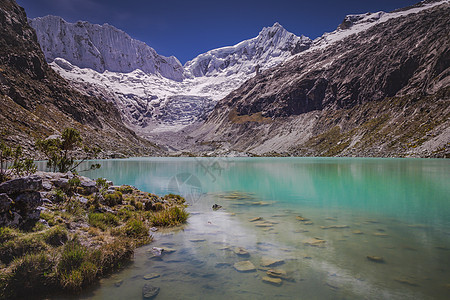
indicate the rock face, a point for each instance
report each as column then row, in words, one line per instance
column 81, row 53
column 36, row 102
column 371, row 93
column 101, row 48
column 26, row 197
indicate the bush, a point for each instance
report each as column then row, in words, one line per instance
column 58, row 196
column 7, row 233
column 73, row 255
column 170, row 217
column 178, row 199
column 20, row 246
column 31, row 273
column 126, row 189
column 136, row 228
column 55, row 236
column 103, row 220
column 113, row 199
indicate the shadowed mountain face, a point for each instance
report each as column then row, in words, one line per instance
column 397, row 70
column 36, row 102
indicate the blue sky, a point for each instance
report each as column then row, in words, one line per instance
column 186, row 28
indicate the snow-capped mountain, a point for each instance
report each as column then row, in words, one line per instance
column 101, row 48
column 152, row 94
column 272, row 46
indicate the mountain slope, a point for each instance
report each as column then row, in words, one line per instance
column 381, row 91
column 153, row 101
column 36, row 102
column 101, row 48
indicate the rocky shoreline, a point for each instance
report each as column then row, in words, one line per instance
column 62, row 232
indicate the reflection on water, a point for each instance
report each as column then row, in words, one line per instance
column 306, row 228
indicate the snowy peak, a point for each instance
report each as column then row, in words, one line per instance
column 101, row 48
column 272, row 46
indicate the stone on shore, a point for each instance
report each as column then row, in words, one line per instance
column 21, row 185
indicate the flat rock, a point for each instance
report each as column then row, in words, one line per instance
column 315, row 242
column 335, row 227
column 197, row 240
column 380, row 234
column 20, row 185
column 149, row 291
column 151, row 276
column 241, row 252
column 272, row 280
column 244, row 266
column 277, row 273
column 271, row 262
column 406, row 281
column 255, row 219
column 377, row 259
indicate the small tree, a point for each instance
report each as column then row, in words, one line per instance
column 19, row 165
column 5, row 156
column 63, row 151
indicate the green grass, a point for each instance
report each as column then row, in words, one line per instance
column 103, row 220
column 169, row 217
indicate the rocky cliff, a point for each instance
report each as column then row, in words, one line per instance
column 101, row 48
column 381, row 90
column 36, row 102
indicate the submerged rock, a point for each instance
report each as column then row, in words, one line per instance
column 216, row 207
column 244, row 266
column 315, row 242
column 335, row 227
column 271, row 262
column 151, row 276
column 241, row 252
column 277, row 273
column 149, row 291
column 302, row 219
column 377, row 259
column 255, row 219
column 272, row 280
column 406, row 281
column 357, row 232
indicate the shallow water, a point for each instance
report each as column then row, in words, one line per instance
column 397, row 209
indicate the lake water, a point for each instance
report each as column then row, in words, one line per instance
column 394, row 209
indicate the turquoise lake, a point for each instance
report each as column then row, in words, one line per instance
column 320, row 219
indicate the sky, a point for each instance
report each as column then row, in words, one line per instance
column 187, row 28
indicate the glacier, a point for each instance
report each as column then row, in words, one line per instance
column 157, row 94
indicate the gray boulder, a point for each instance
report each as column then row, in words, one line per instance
column 20, row 185
column 5, row 203
column 89, row 187
column 27, row 202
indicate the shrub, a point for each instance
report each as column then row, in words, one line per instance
column 113, row 199
column 169, row 217
column 31, row 273
column 102, row 183
column 73, row 255
column 136, row 228
column 20, row 246
column 177, row 198
column 55, row 236
column 126, row 189
column 7, row 233
column 103, row 220
column 61, row 151
column 58, row 196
